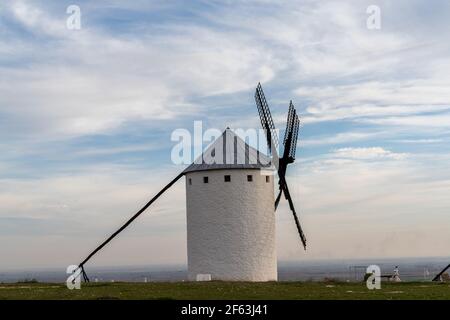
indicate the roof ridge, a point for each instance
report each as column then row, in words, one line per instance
column 226, row 153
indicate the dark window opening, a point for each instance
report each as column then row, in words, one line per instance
column 190, row 181
column 250, row 178
column 227, row 178
column 205, row 179
column 267, row 179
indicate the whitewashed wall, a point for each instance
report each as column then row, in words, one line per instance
column 231, row 226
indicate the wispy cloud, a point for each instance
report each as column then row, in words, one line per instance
column 367, row 153
column 426, row 141
column 339, row 138
column 73, row 89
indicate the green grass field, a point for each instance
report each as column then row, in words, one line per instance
column 227, row 290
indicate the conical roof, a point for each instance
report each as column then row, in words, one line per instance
column 229, row 152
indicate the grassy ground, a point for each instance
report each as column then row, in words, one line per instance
column 227, row 290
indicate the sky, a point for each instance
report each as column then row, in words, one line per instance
column 86, row 118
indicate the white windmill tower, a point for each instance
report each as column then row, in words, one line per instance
column 230, row 213
column 231, row 204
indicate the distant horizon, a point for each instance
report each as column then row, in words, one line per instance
column 411, row 269
column 283, row 263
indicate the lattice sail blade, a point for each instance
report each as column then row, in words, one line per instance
column 296, row 127
column 289, row 123
column 266, row 120
column 291, row 134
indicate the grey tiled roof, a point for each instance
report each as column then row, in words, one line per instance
column 229, row 152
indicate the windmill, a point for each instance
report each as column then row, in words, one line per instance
column 290, row 146
column 225, row 199
column 440, row 274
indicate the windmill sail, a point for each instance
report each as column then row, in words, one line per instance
column 266, row 121
column 290, row 146
column 438, row 276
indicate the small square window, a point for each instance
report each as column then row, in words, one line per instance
column 190, row 181
column 227, row 178
column 250, row 178
column 267, row 179
column 205, row 179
